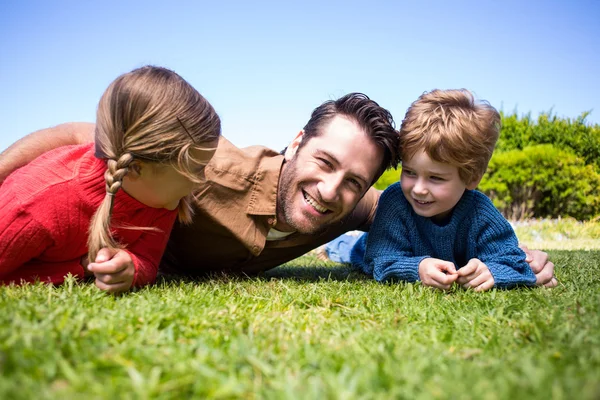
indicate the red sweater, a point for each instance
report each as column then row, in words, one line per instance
column 45, row 212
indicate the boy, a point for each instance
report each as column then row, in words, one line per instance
column 432, row 225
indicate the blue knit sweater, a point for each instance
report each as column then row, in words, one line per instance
column 399, row 240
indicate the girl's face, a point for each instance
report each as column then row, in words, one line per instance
column 162, row 186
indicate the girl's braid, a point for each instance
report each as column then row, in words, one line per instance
column 100, row 230
column 115, row 172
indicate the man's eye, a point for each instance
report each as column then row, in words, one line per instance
column 325, row 162
column 355, row 183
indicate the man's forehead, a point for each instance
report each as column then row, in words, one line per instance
column 338, row 128
column 349, row 145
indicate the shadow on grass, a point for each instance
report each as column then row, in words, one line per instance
column 317, row 272
column 310, row 269
column 303, row 269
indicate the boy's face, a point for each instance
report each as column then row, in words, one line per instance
column 432, row 188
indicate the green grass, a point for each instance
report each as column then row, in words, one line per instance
column 305, row 330
column 559, row 234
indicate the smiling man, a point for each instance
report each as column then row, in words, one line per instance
column 257, row 208
column 323, row 183
column 260, row 208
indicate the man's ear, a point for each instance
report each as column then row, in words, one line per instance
column 292, row 148
column 474, row 183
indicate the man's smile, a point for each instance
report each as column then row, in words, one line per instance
column 314, row 204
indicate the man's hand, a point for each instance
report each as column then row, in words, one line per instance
column 541, row 267
column 475, row 275
column 113, row 269
column 437, row 273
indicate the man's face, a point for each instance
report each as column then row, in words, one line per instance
column 323, row 181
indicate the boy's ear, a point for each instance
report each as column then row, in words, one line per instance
column 292, row 148
column 474, row 183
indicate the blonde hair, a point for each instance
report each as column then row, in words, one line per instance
column 152, row 115
column 450, row 126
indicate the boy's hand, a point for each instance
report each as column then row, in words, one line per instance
column 437, row 273
column 114, row 270
column 475, row 275
column 541, row 266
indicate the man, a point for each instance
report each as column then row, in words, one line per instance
column 258, row 208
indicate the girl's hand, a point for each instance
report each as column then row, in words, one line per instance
column 84, row 262
column 475, row 275
column 437, row 273
column 113, row 269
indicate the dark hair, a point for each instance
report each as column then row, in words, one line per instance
column 375, row 120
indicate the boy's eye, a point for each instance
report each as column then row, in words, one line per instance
column 437, row 178
column 408, row 172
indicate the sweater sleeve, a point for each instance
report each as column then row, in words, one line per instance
column 147, row 251
column 22, row 239
column 498, row 248
column 389, row 253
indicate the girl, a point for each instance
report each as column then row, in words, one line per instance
column 154, row 134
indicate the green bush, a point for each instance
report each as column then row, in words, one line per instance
column 389, row 177
column 542, row 181
column 582, row 138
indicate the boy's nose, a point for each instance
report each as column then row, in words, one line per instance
column 420, row 187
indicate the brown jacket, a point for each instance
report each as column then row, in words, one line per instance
column 236, row 209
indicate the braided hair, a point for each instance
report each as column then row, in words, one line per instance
column 153, row 115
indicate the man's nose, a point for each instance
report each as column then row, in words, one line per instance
column 329, row 187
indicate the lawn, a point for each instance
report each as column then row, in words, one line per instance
column 559, row 234
column 305, row 330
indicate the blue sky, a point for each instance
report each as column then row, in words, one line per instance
column 265, row 65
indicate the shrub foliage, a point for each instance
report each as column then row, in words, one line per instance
column 542, row 181
column 584, row 139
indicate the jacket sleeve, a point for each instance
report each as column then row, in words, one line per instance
column 365, row 210
column 389, row 253
column 498, row 249
column 147, row 251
